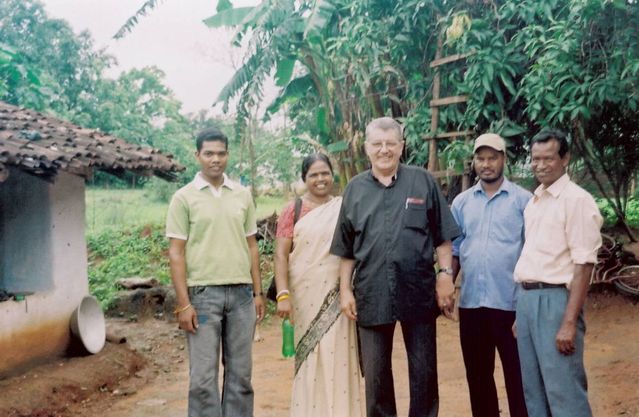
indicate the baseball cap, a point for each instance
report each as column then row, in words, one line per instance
column 491, row 140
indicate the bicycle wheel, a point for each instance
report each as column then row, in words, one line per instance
column 607, row 249
column 607, row 242
column 627, row 280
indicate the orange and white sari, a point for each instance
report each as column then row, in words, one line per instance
column 327, row 375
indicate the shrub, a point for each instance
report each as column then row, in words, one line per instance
column 610, row 218
column 121, row 253
column 160, row 191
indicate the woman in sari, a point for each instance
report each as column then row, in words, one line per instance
column 327, row 377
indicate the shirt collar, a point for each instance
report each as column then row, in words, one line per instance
column 505, row 186
column 555, row 188
column 393, row 178
column 201, row 183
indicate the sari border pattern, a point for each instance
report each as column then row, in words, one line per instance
column 319, row 326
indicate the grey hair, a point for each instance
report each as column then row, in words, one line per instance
column 385, row 123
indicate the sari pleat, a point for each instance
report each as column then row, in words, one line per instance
column 327, row 378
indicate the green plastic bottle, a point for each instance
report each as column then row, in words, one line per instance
column 288, row 339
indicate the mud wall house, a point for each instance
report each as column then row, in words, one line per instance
column 44, row 163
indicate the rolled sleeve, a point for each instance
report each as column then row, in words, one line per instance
column 583, row 230
column 456, row 245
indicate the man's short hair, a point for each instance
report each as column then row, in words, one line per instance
column 210, row 134
column 549, row 134
column 385, row 123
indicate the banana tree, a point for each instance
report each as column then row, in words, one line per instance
column 327, row 58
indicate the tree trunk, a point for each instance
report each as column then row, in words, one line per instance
column 396, row 106
column 343, row 175
column 375, row 102
column 252, row 128
column 614, row 201
column 434, row 121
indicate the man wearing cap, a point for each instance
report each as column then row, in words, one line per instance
column 562, row 239
column 491, row 217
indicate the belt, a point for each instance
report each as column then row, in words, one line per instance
column 540, row 285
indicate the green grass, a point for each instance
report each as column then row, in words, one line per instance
column 107, row 209
column 267, row 205
column 125, row 238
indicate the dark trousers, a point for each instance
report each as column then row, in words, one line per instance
column 481, row 330
column 377, row 347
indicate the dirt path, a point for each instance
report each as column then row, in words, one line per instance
column 159, row 390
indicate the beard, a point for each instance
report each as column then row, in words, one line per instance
column 492, row 179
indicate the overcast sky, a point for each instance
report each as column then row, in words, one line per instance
column 197, row 61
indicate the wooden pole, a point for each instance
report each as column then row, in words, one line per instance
column 434, row 110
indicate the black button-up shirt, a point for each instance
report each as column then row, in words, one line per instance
column 391, row 232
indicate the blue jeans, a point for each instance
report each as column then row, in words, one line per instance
column 226, row 316
column 377, row 348
column 554, row 384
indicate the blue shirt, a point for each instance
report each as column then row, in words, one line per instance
column 490, row 244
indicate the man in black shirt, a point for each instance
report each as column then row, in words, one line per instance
column 393, row 218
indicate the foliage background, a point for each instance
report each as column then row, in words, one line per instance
column 572, row 64
column 125, row 238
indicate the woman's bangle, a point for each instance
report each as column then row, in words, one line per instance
column 281, row 293
column 282, row 297
column 181, row 309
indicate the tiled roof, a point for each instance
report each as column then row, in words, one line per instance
column 43, row 145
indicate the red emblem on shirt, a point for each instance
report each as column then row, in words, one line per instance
column 413, row 200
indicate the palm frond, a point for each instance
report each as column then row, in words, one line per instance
column 242, row 77
column 295, row 90
column 132, row 21
column 228, row 17
column 284, row 71
column 321, row 14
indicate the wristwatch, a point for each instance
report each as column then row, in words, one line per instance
column 446, row 270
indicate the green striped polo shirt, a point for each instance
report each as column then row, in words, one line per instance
column 215, row 224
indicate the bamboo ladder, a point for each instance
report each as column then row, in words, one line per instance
column 435, row 104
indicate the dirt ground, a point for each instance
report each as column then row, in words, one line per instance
column 147, row 375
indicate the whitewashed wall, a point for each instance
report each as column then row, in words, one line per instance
column 42, row 249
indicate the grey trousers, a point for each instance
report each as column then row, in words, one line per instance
column 554, row 384
column 226, row 316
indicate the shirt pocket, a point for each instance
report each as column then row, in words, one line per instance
column 508, row 228
column 415, row 217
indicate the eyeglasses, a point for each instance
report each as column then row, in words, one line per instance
column 390, row 144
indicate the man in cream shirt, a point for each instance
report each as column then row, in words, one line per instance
column 562, row 237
